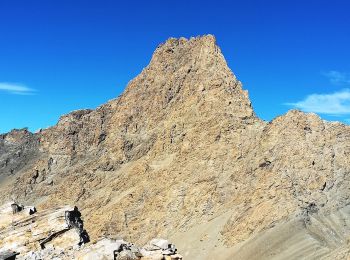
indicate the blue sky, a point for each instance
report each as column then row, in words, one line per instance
column 57, row 56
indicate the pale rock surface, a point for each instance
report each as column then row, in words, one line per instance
column 37, row 234
column 120, row 249
column 58, row 234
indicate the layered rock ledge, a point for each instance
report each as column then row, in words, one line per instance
column 59, row 234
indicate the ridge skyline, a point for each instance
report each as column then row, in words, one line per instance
column 124, row 89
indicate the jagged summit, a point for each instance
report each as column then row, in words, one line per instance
column 181, row 154
column 169, row 52
column 185, row 74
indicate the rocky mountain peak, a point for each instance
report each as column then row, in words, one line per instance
column 199, row 51
column 187, row 74
column 16, row 135
column 181, row 154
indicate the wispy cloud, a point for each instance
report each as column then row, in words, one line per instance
column 336, row 104
column 338, row 78
column 16, row 89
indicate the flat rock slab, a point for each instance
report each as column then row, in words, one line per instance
column 25, row 231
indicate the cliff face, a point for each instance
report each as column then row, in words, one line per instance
column 16, row 148
column 181, row 154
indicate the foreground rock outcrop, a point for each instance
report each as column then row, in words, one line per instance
column 181, row 154
column 156, row 249
column 59, row 233
column 25, row 231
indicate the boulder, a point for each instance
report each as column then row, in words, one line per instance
column 39, row 235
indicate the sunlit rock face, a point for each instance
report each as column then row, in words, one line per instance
column 182, row 155
column 59, row 233
column 25, row 231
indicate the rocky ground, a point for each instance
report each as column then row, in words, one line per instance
column 182, row 155
column 59, row 234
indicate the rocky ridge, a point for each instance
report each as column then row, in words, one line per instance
column 181, row 150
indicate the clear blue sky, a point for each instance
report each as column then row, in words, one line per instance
column 60, row 55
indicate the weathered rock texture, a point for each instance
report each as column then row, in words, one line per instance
column 181, row 154
column 59, row 233
column 156, row 249
column 26, row 232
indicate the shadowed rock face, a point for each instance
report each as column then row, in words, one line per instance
column 182, row 149
column 17, row 148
